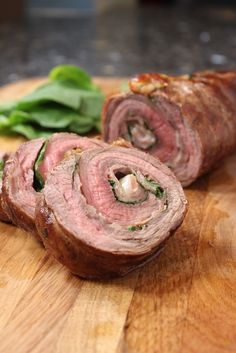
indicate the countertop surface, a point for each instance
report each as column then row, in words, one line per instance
column 121, row 41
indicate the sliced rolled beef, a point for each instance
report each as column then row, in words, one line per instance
column 3, row 215
column 188, row 122
column 106, row 211
column 27, row 169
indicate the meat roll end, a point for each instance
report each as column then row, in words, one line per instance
column 187, row 122
column 107, row 211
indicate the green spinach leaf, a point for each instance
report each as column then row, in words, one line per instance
column 52, row 92
column 68, row 102
column 29, row 131
column 55, row 118
column 73, row 75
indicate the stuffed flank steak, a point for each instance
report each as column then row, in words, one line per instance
column 105, row 211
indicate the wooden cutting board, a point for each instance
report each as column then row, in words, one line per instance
column 184, row 301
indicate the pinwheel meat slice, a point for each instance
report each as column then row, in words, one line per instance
column 107, row 211
column 27, row 169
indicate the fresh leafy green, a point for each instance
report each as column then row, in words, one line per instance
column 98, row 125
column 91, row 104
column 54, row 118
column 68, row 102
column 18, row 122
column 3, row 121
column 73, row 75
column 7, row 107
column 52, row 92
column 29, row 131
column 15, row 118
column 81, row 126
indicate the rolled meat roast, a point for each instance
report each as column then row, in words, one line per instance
column 3, row 215
column 106, row 211
column 27, row 169
column 188, row 122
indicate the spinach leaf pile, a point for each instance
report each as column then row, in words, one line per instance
column 68, row 102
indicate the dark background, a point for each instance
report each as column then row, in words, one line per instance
column 116, row 38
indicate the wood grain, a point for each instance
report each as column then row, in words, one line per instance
column 182, row 302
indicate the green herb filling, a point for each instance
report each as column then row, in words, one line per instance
column 137, row 227
column 38, row 179
column 2, row 163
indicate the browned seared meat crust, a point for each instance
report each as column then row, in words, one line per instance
column 3, row 215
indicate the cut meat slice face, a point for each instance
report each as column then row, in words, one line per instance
column 155, row 126
column 18, row 194
column 27, row 169
column 58, row 145
column 188, row 123
column 106, row 211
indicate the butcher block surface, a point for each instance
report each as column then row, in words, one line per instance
column 183, row 301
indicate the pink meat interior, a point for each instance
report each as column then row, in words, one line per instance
column 175, row 145
column 61, row 143
column 87, row 208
